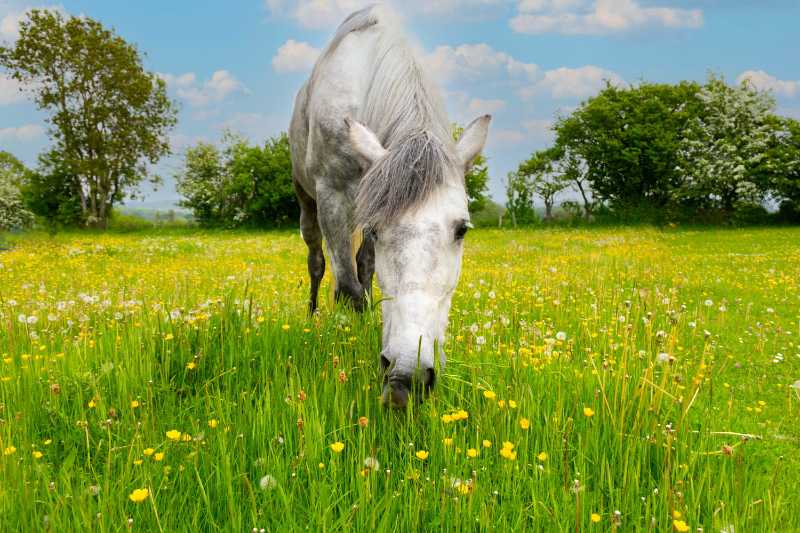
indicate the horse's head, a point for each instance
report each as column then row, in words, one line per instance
column 413, row 200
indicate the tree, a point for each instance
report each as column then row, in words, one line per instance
column 543, row 178
column 519, row 199
column 723, row 145
column 240, row 185
column 13, row 214
column 626, row 141
column 476, row 180
column 779, row 170
column 108, row 116
column 52, row 193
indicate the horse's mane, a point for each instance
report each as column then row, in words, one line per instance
column 405, row 110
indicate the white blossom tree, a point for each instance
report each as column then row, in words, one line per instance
column 722, row 145
column 13, row 214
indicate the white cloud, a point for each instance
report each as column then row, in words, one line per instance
column 9, row 23
column 567, row 82
column 594, row 17
column 765, row 82
column 475, row 61
column 504, row 137
column 28, row 132
column 221, row 84
column 295, row 56
column 10, row 91
column 318, row 14
column 478, row 106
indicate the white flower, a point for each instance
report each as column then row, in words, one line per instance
column 22, row 318
column 622, row 318
column 492, row 295
column 473, row 328
column 372, row 463
column 708, row 303
column 562, row 336
column 267, row 482
column 33, row 319
column 663, row 357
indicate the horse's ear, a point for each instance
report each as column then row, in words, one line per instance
column 364, row 142
column 473, row 139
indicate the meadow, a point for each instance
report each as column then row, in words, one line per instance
column 620, row 379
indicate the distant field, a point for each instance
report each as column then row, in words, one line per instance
column 597, row 380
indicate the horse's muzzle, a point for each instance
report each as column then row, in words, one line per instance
column 397, row 387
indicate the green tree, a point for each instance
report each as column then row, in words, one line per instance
column 52, row 193
column 476, row 179
column 240, row 185
column 627, row 140
column 519, row 199
column 13, row 214
column 109, row 117
column 543, row 176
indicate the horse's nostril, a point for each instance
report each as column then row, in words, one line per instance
column 430, row 378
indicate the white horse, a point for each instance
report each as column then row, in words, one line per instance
column 372, row 149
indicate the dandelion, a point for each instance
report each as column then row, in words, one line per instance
column 149, row 451
column 158, row 456
column 213, row 423
column 421, row 455
column 508, row 453
column 191, row 365
column 267, row 483
column 9, row 450
column 134, row 404
column 371, row 463
column 139, row 495
column 337, row 447
column 542, row 456
column 561, row 336
column 524, row 423
column 472, row 453
column 174, row 435
column 596, row 518
column 486, row 443
column 37, row 454
column 680, row 525
column 512, row 404
column 489, row 395
column 588, row 412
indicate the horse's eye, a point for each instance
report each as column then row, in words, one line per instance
column 461, row 229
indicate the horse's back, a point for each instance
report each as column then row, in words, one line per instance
column 334, row 91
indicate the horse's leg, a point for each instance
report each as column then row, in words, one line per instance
column 309, row 228
column 335, row 213
column 365, row 260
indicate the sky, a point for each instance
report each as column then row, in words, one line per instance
column 237, row 64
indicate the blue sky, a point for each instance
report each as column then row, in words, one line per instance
column 237, row 64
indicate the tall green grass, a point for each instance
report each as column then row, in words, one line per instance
column 646, row 380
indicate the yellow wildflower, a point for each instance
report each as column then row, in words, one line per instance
column 524, row 423
column 174, row 434
column 486, row 443
column 422, row 455
column 134, row 404
column 139, row 495
column 680, row 525
column 337, row 447
column 37, row 454
column 213, row 423
column 159, row 456
column 9, row 450
column 489, row 395
column 588, row 412
column 542, row 456
column 472, row 452
column 596, row 518
column 149, row 451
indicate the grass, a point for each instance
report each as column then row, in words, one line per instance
column 641, row 380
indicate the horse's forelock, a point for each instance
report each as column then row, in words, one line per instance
column 403, row 179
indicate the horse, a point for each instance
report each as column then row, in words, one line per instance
column 373, row 155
